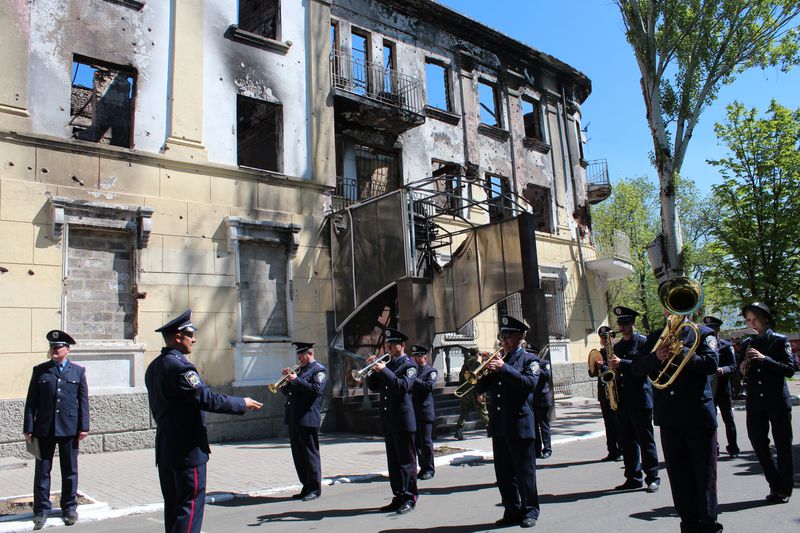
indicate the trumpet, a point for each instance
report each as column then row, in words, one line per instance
column 278, row 385
column 368, row 370
column 472, row 380
column 680, row 296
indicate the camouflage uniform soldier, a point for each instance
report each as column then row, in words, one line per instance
column 470, row 401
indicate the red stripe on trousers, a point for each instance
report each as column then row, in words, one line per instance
column 194, row 497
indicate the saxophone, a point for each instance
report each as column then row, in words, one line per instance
column 609, row 377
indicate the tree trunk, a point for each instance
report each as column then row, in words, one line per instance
column 670, row 225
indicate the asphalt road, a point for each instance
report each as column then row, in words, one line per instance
column 575, row 495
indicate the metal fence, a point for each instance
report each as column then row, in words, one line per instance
column 373, row 80
column 617, row 247
column 597, row 172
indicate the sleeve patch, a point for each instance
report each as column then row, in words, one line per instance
column 432, row 376
column 534, row 368
column 192, row 378
column 411, row 372
column 711, row 342
column 319, row 377
column 788, row 348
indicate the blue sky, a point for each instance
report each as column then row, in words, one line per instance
column 588, row 35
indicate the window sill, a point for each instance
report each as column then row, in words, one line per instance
column 536, row 144
column 441, row 114
column 494, row 132
column 237, row 34
column 133, row 4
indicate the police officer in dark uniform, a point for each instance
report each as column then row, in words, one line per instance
column 768, row 362
column 609, row 417
column 302, row 414
column 57, row 412
column 721, row 386
column 177, row 398
column 542, row 404
column 509, row 388
column 635, row 413
column 424, row 411
column 688, row 420
column 394, row 380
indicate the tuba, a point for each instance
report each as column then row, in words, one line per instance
column 680, row 296
column 609, row 377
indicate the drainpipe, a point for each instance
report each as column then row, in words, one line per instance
column 575, row 205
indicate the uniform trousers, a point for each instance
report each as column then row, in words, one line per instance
column 68, row 460
column 691, row 457
column 515, row 469
column 541, row 414
column 780, row 475
column 609, row 421
column 184, row 491
column 724, row 401
column 635, row 428
column 305, row 453
column 424, row 442
column 402, row 462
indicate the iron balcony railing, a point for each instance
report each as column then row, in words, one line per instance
column 376, row 82
column 350, row 191
column 597, row 172
column 617, row 247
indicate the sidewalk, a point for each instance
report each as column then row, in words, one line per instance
column 126, row 482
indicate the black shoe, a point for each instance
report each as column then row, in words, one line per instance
column 775, row 497
column 547, row 455
column 654, row 486
column 733, row 452
column 299, row 496
column 528, row 522
column 459, row 435
column 70, row 518
column 310, row 496
column 612, row 457
column 406, row 507
column 629, row 484
column 508, row 521
column 425, row 476
column 390, row 507
column 39, row 521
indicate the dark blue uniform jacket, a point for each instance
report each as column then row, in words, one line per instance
column 177, row 399
column 304, row 396
column 543, row 396
column 394, row 383
column 688, row 402
column 422, row 394
column 634, row 391
column 57, row 406
column 766, row 383
column 509, row 396
column 727, row 362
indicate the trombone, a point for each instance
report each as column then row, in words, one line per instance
column 368, row 370
column 466, row 387
column 278, row 385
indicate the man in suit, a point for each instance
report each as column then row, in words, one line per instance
column 424, row 411
column 721, row 385
column 635, row 412
column 57, row 413
column 509, row 387
column 178, row 397
column 302, row 414
column 394, row 380
column 688, row 420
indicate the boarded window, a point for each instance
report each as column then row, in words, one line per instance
column 539, row 198
column 259, row 134
column 556, row 307
column 532, row 117
column 99, row 285
column 101, row 103
column 437, row 85
column 489, row 101
column 261, row 17
column 262, row 289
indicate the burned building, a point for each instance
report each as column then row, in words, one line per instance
column 210, row 154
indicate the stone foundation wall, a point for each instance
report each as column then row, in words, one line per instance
column 572, row 379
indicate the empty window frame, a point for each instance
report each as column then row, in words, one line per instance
column 389, row 64
column 259, row 134
column 261, row 17
column 489, row 102
column 540, row 200
column 263, row 290
column 579, row 139
column 456, row 185
column 101, row 102
column 533, row 119
column 499, row 190
column 556, row 307
column 359, row 76
column 437, row 85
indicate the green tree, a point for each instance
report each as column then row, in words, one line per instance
column 757, row 246
column 687, row 49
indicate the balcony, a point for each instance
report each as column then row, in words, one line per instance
column 598, row 183
column 368, row 94
column 613, row 260
column 350, row 191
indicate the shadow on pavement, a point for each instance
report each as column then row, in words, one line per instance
column 578, row 496
column 467, row 528
column 438, row 491
column 733, row 507
column 314, row 516
column 244, row 501
column 654, row 514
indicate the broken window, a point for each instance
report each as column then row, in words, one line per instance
column 539, row 198
column 263, row 290
column 579, row 134
column 499, row 191
column 455, row 183
column 360, row 80
column 437, row 85
column 101, row 104
column 489, row 101
column 389, row 59
column 377, row 171
column 556, row 307
column 532, row 118
column 259, row 133
column 261, row 17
